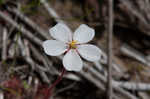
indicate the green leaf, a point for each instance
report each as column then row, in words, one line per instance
column 25, row 84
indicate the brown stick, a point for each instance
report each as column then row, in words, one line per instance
column 110, row 32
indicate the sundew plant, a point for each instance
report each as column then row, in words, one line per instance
column 73, row 45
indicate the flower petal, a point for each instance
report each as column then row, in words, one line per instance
column 72, row 61
column 54, row 47
column 61, row 32
column 89, row 52
column 83, row 34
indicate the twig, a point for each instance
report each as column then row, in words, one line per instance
column 35, row 89
column 51, row 11
column 1, row 95
column 30, row 61
column 116, row 88
column 30, row 78
column 25, row 32
column 47, row 66
column 110, row 34
column 89, row 77
column 4, row 48
column 44, row 76
column 104, row 60
column 133, row 10
column 126, row 49
column 18, row 68
column 143, row 95
column 65, row 88
column 16, row 18
column 133, row 85
column 28, row 56
column 128, row 5
column 30, row 22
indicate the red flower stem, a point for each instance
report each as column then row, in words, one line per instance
column 48, row 92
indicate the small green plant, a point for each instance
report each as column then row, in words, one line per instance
column 2, row 2
column 33, row 4
column 26, row 85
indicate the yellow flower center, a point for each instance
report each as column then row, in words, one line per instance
column 73, row 44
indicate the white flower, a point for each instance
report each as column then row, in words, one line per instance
column 74, row 45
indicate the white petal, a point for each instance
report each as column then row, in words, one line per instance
column 84, row 34
column 61, row 32
column 54, row 48
column 89, row 52
column 72, row 61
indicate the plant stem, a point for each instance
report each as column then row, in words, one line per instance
column 48, row 91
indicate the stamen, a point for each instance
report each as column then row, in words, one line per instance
column 73, row 44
